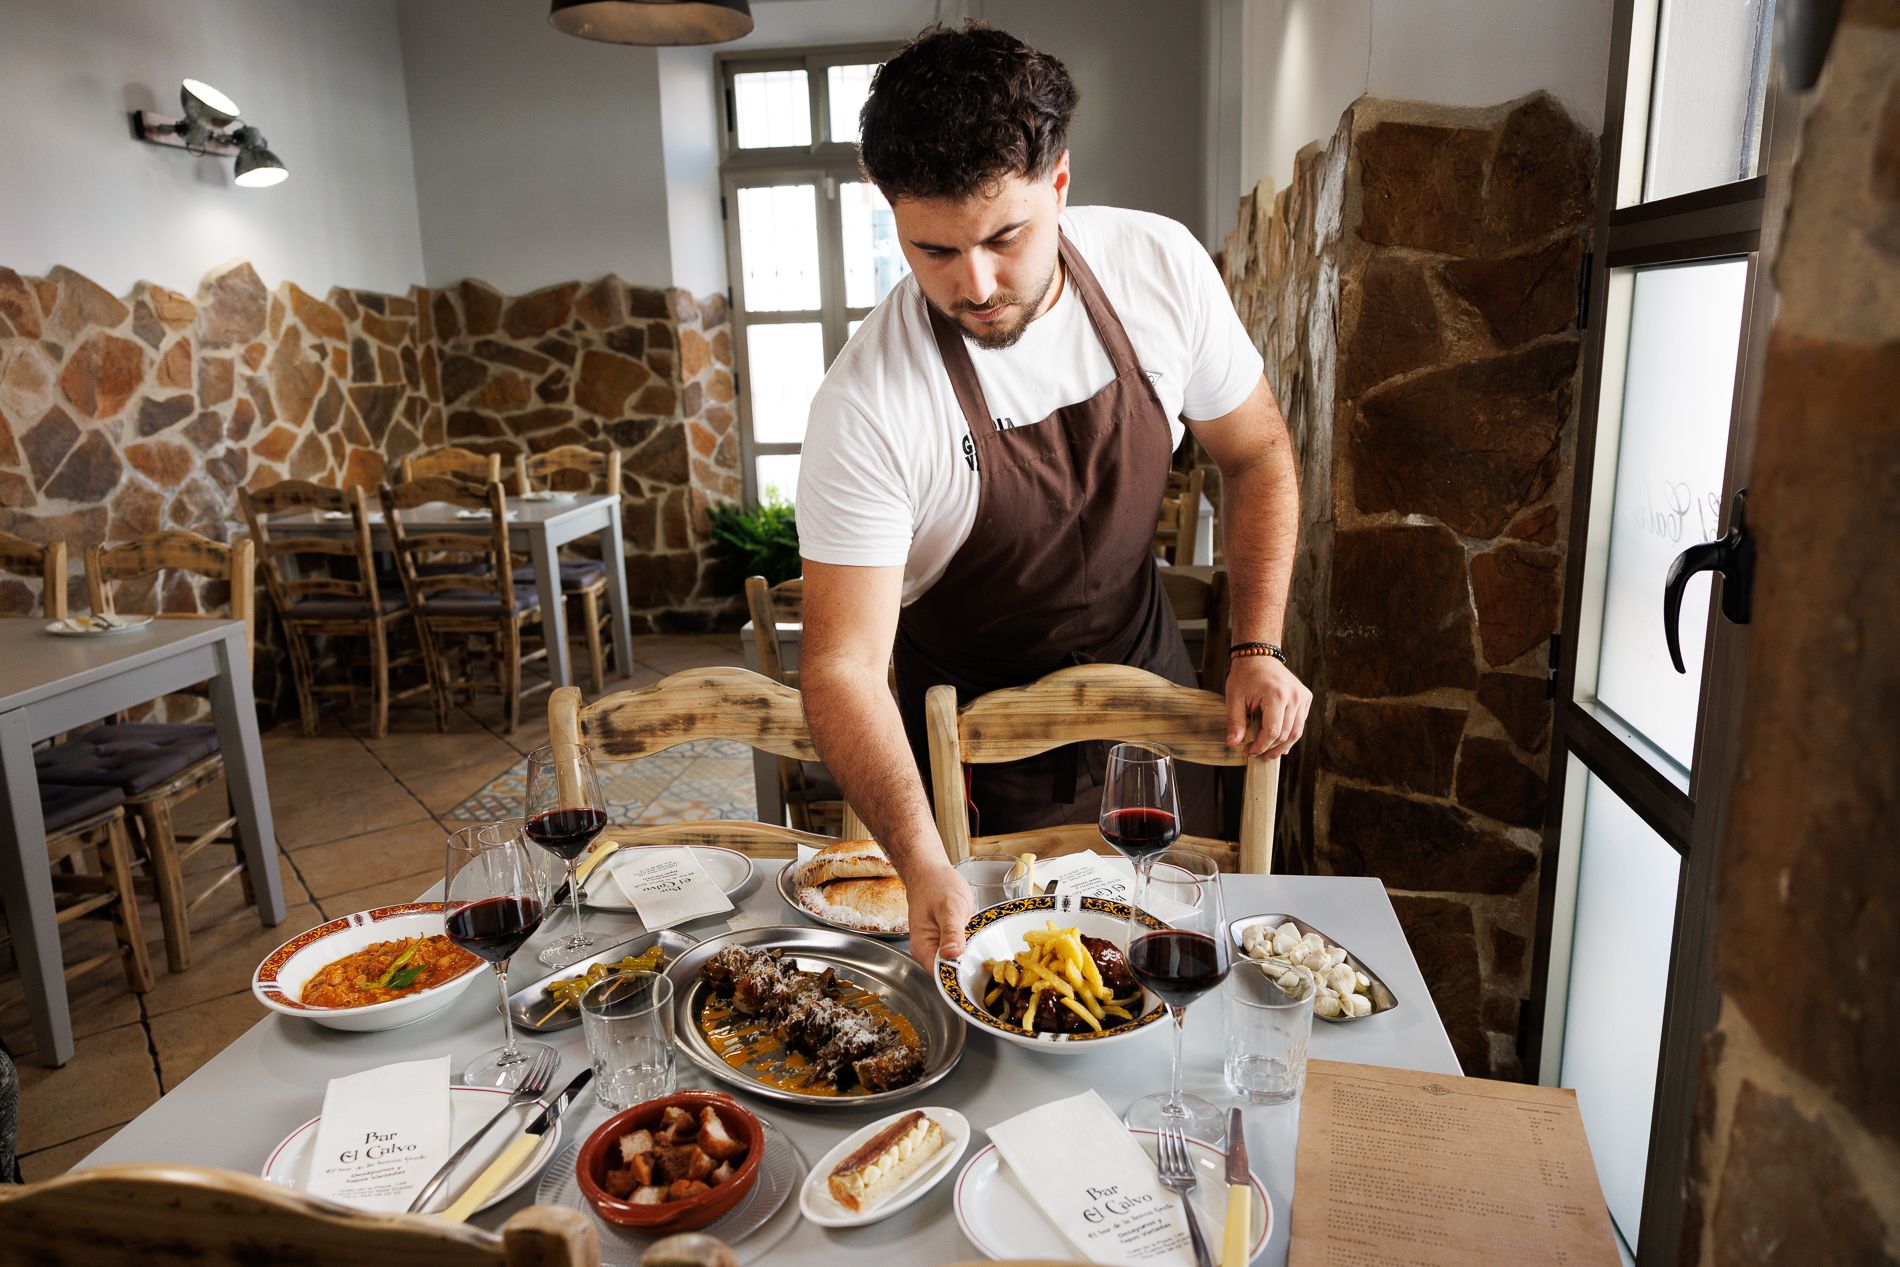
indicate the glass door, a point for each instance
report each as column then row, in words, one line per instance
column 1678, row 311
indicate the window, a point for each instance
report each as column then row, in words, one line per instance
column 811, row 244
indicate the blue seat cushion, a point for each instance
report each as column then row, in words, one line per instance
column 62, row 804
column 476, row 602
column 479, row 567
column 129, row 764
column 576, row 574
column 154, row 732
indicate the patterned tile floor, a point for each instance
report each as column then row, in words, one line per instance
column 710, row 778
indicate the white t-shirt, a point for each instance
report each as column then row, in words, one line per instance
column 886, row 477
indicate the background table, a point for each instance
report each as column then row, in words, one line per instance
column 233, row 1111
column 547, row 526
column 50, row 684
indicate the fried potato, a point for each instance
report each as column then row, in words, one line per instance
column 1053, row 962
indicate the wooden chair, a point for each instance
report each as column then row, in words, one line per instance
column 483, row 468
column 45, row 564
column 1178, row 530
column 344, row 601
column 811, row 796
column 91, row 858
column 164, row 1214
column 1200, row 602
column 575, row 468
column 712, row 703
column 154, row 805
column 1076, row 705
column 460, row 581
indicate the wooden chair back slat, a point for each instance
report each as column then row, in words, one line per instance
column 45, row 564
column 181, row 551
column 1200, row 594
column 568, row 468
column 314, row 586
column 769, row 606
column 483, row 468
column 1178, row 526
column 290, row 497
column 481, row 543
column 171, row 1213
column 755, row 839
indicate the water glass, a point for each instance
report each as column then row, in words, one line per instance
column 989, row 880
column 1268, row 1027
column 628, row 1020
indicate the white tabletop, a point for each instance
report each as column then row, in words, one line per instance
column 35, row 664
column 234, row 1110
column 525, row 514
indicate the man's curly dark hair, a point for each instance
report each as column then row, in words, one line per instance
column 956, row 113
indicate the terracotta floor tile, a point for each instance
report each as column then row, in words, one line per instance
column 223, row 959
column 384, row 893
column 444, row 789
column 51, row 1163
column 108, row 1082
column 408, row 755
column 344, row 806
column 187, row 1038
column 339, row 866
column 98, row 1001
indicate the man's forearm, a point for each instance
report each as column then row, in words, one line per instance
column 1260, row 514
column 860, row 737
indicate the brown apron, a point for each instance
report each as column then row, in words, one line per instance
column 1058, row 570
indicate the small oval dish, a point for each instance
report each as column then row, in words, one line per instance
column 278, row 983
column 1379, row 995
column 601, row 1153
column 997, row 933
column 817, row 1204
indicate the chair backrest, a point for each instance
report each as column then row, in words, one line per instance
column 768, row 605
column 483, row 468
column 1200, row 594
column 1077, row 705
column 710, row 703
column 276, row 542
column 45, row 564
column 569, row 468
column 483, row 541
column 169, row 1214
column 175, row 549
column 1179, row 526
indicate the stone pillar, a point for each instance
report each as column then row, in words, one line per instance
column 1414, row 291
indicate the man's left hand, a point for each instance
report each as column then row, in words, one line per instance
column 1263, row 687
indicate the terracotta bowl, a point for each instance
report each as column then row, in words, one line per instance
column 686, row 1215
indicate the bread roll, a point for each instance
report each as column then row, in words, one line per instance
column 880, row 905
column 689, row 1249
column 847, row 860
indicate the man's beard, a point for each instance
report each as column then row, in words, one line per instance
column 995, row 338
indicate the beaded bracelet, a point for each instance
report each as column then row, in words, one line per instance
column 1240, row 649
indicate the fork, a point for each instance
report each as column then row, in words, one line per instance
column 533, row 1083
column 1176, row 1169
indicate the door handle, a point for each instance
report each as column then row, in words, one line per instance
column 1733, row 555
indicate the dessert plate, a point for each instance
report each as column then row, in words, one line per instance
column 819, row 1206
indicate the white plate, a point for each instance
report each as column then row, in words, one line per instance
column 83, row 626
column 788, row 887
column 819, row 1206
column 469, row 1108
column 338, row 516
column 281, row 977
column 728, row 868
column 1004, row 1221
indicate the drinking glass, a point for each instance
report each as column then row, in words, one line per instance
column 1269, row 1023
column 1180, row 961
column 493, row 903
column 990, row 880
column 1141, row 811
column 565, row 813
column 628, row 1020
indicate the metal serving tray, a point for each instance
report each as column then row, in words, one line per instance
column 904, row 985
column 1383, row 1000
column 530, row 1001
column 788, row 889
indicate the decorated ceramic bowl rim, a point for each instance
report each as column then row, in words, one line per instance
column 949, row 971
column 264, row 980
column 618, row 1124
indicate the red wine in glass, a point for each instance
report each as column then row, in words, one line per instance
column 1179, row 966
column 1141, row 831
column 495, row 927
column 1141, row 811
column 566, row 833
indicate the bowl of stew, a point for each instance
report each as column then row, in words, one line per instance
column 376, row 969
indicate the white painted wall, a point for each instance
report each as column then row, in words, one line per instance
column 689, row 127
column 324, row 82
column 538, row 156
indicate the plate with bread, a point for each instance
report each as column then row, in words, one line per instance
column 877, row 1171
column 851, row 885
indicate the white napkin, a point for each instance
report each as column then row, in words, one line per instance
column 668, row 887
column 1093, row 1182
column 384, row 1133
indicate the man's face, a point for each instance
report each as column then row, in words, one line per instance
column 988, row 262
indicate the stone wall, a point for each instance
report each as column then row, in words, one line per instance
column 1414, row 291
column 1796, row 1155
column 119, row 416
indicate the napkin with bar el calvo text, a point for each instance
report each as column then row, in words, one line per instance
column 668, row 886
column 383, row 1134
column 1094, row 1183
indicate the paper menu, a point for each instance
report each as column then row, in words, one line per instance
column 1397, row 1167
column 1087, row 874
column 383, row 1134
column 1094, row 1183
column 668, row 887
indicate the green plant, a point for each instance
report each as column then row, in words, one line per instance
column 764, row 539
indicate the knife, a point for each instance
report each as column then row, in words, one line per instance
column 517, row 1152
column 1239, row 1233
column 583, row 869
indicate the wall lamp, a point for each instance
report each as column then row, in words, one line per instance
column 211, row 126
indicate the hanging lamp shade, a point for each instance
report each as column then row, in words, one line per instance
column 653, row 22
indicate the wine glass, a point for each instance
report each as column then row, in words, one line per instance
column 1180, row 961
column 1141, row 812
column 492, row 899
column 565, row 813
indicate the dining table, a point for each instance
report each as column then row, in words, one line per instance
column 51, row 684
column 546, row 524
column 235, row 1109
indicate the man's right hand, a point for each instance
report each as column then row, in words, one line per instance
column 940, row 906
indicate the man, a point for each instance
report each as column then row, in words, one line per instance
column 984, row 464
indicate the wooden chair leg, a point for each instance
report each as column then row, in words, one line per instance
column 304, row 674
column 435, row 665
column 590, row 620
column 161, row 853
column 510, row 669
column 378, row 679
column 115, row 861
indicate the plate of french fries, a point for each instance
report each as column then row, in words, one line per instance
column 1050, row 973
